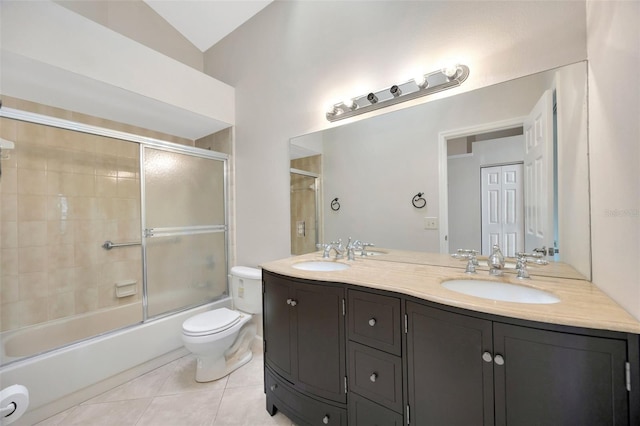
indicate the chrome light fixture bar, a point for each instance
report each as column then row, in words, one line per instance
column 433, row 82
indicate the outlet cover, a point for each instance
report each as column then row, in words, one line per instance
column 430, row 223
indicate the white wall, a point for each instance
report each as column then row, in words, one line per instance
column 614, row 143
column 293, row 59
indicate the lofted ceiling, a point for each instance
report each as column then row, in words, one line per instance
column 206, row 22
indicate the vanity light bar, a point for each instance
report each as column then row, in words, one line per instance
column 433, row 82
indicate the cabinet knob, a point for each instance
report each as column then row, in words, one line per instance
column 273, row 387
column 499, row 360
column 325, row 419
column 373, row 377
column 486, row 357
column 291, row 302
column 372, row 322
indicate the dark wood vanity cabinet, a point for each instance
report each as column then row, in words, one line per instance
column 304, row 349
column 338, row 354
column 464, row 370
column 375, row 374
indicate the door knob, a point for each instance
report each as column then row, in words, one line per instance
column 325, row 419
column 372, row 322
column 499, row 360
column 486, row 357
column 373, row 377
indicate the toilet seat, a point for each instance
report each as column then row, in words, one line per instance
column 211, row 322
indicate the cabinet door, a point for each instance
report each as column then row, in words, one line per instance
column 278, row 328
column 449, row 383
column 551, row 378
column 320, row 340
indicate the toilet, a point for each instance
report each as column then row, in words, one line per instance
column 221, row 339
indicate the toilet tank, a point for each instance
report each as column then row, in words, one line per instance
column 246, row 289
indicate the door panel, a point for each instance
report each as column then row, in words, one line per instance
column 538, row 163
column 551, row 378
column 279, row 333
column 448, row 381
column 320, row 340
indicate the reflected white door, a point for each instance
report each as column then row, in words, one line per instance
column 538, row 165
column 502, row 209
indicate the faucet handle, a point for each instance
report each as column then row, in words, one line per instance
column 524, row 258
column 470, row 256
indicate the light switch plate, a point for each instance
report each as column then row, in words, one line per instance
column 430, row 223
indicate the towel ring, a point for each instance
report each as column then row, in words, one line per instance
column 419, row 202
column 335, row 205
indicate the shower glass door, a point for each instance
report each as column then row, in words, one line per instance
column 185, row 229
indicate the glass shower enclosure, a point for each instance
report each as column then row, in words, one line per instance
column 184, row 223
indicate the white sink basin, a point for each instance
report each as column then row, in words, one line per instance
column 321, row 266
column 500, row 291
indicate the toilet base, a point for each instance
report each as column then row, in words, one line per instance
column 209, row 369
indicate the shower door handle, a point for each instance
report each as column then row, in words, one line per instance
column 108, row 245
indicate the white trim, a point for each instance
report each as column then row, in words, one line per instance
column 443, row 137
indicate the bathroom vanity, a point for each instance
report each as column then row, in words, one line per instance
column 385, row 343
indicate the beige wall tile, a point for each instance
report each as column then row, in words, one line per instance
column 8, row 234
column 32, row 259
column 9, row 207
column 86, row 300
column 32, row 233
column 61, row 281
column 106, row 186
column 61, row 305
column 10, row 316
column 32, row 207
column 61, row 256
column 33, row 285
column 9, row 180
column 60, row 232
column 33, row 311
column 9, row 261
column 9, row 289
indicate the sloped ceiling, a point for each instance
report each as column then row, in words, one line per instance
column 206, row 22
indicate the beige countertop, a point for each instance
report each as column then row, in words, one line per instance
column 582, row 304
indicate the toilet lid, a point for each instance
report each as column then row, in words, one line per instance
column 211, row 322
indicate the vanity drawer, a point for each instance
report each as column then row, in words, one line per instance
column 375, row 320
column 363, row 412
column 300, row 407
column 376, row 375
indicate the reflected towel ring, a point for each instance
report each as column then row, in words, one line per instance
column 419, row 202
column 335, row 205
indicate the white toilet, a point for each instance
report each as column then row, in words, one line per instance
column 222, row 338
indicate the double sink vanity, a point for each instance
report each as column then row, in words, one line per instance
column 404, row 337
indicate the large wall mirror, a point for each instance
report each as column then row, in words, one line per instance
column 504, row 164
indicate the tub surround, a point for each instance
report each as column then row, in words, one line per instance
column 420, row 275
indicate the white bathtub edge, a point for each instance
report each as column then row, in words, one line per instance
column 61, row 379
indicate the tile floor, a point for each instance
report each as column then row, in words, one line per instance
column 170, row 396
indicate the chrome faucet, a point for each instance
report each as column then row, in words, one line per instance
column 496, row 261
column 334, row 245
column 524, row 258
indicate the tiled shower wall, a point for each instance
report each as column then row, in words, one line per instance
column 64, row 193
column 303, row 205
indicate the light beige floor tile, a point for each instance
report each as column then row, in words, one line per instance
column 250, row 374
column 183, row 379
column 246, row 406
column 144, row 386
column 57, row 420
column 121, row 413
column 190, row 409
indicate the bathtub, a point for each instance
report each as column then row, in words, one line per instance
column 55, row 334
column 62, row 378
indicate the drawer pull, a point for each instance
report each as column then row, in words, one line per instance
column 373, row 377
column 499, row 360
column 372, row 322
column 274, row 387
column 325, row 419
column 486, row 357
